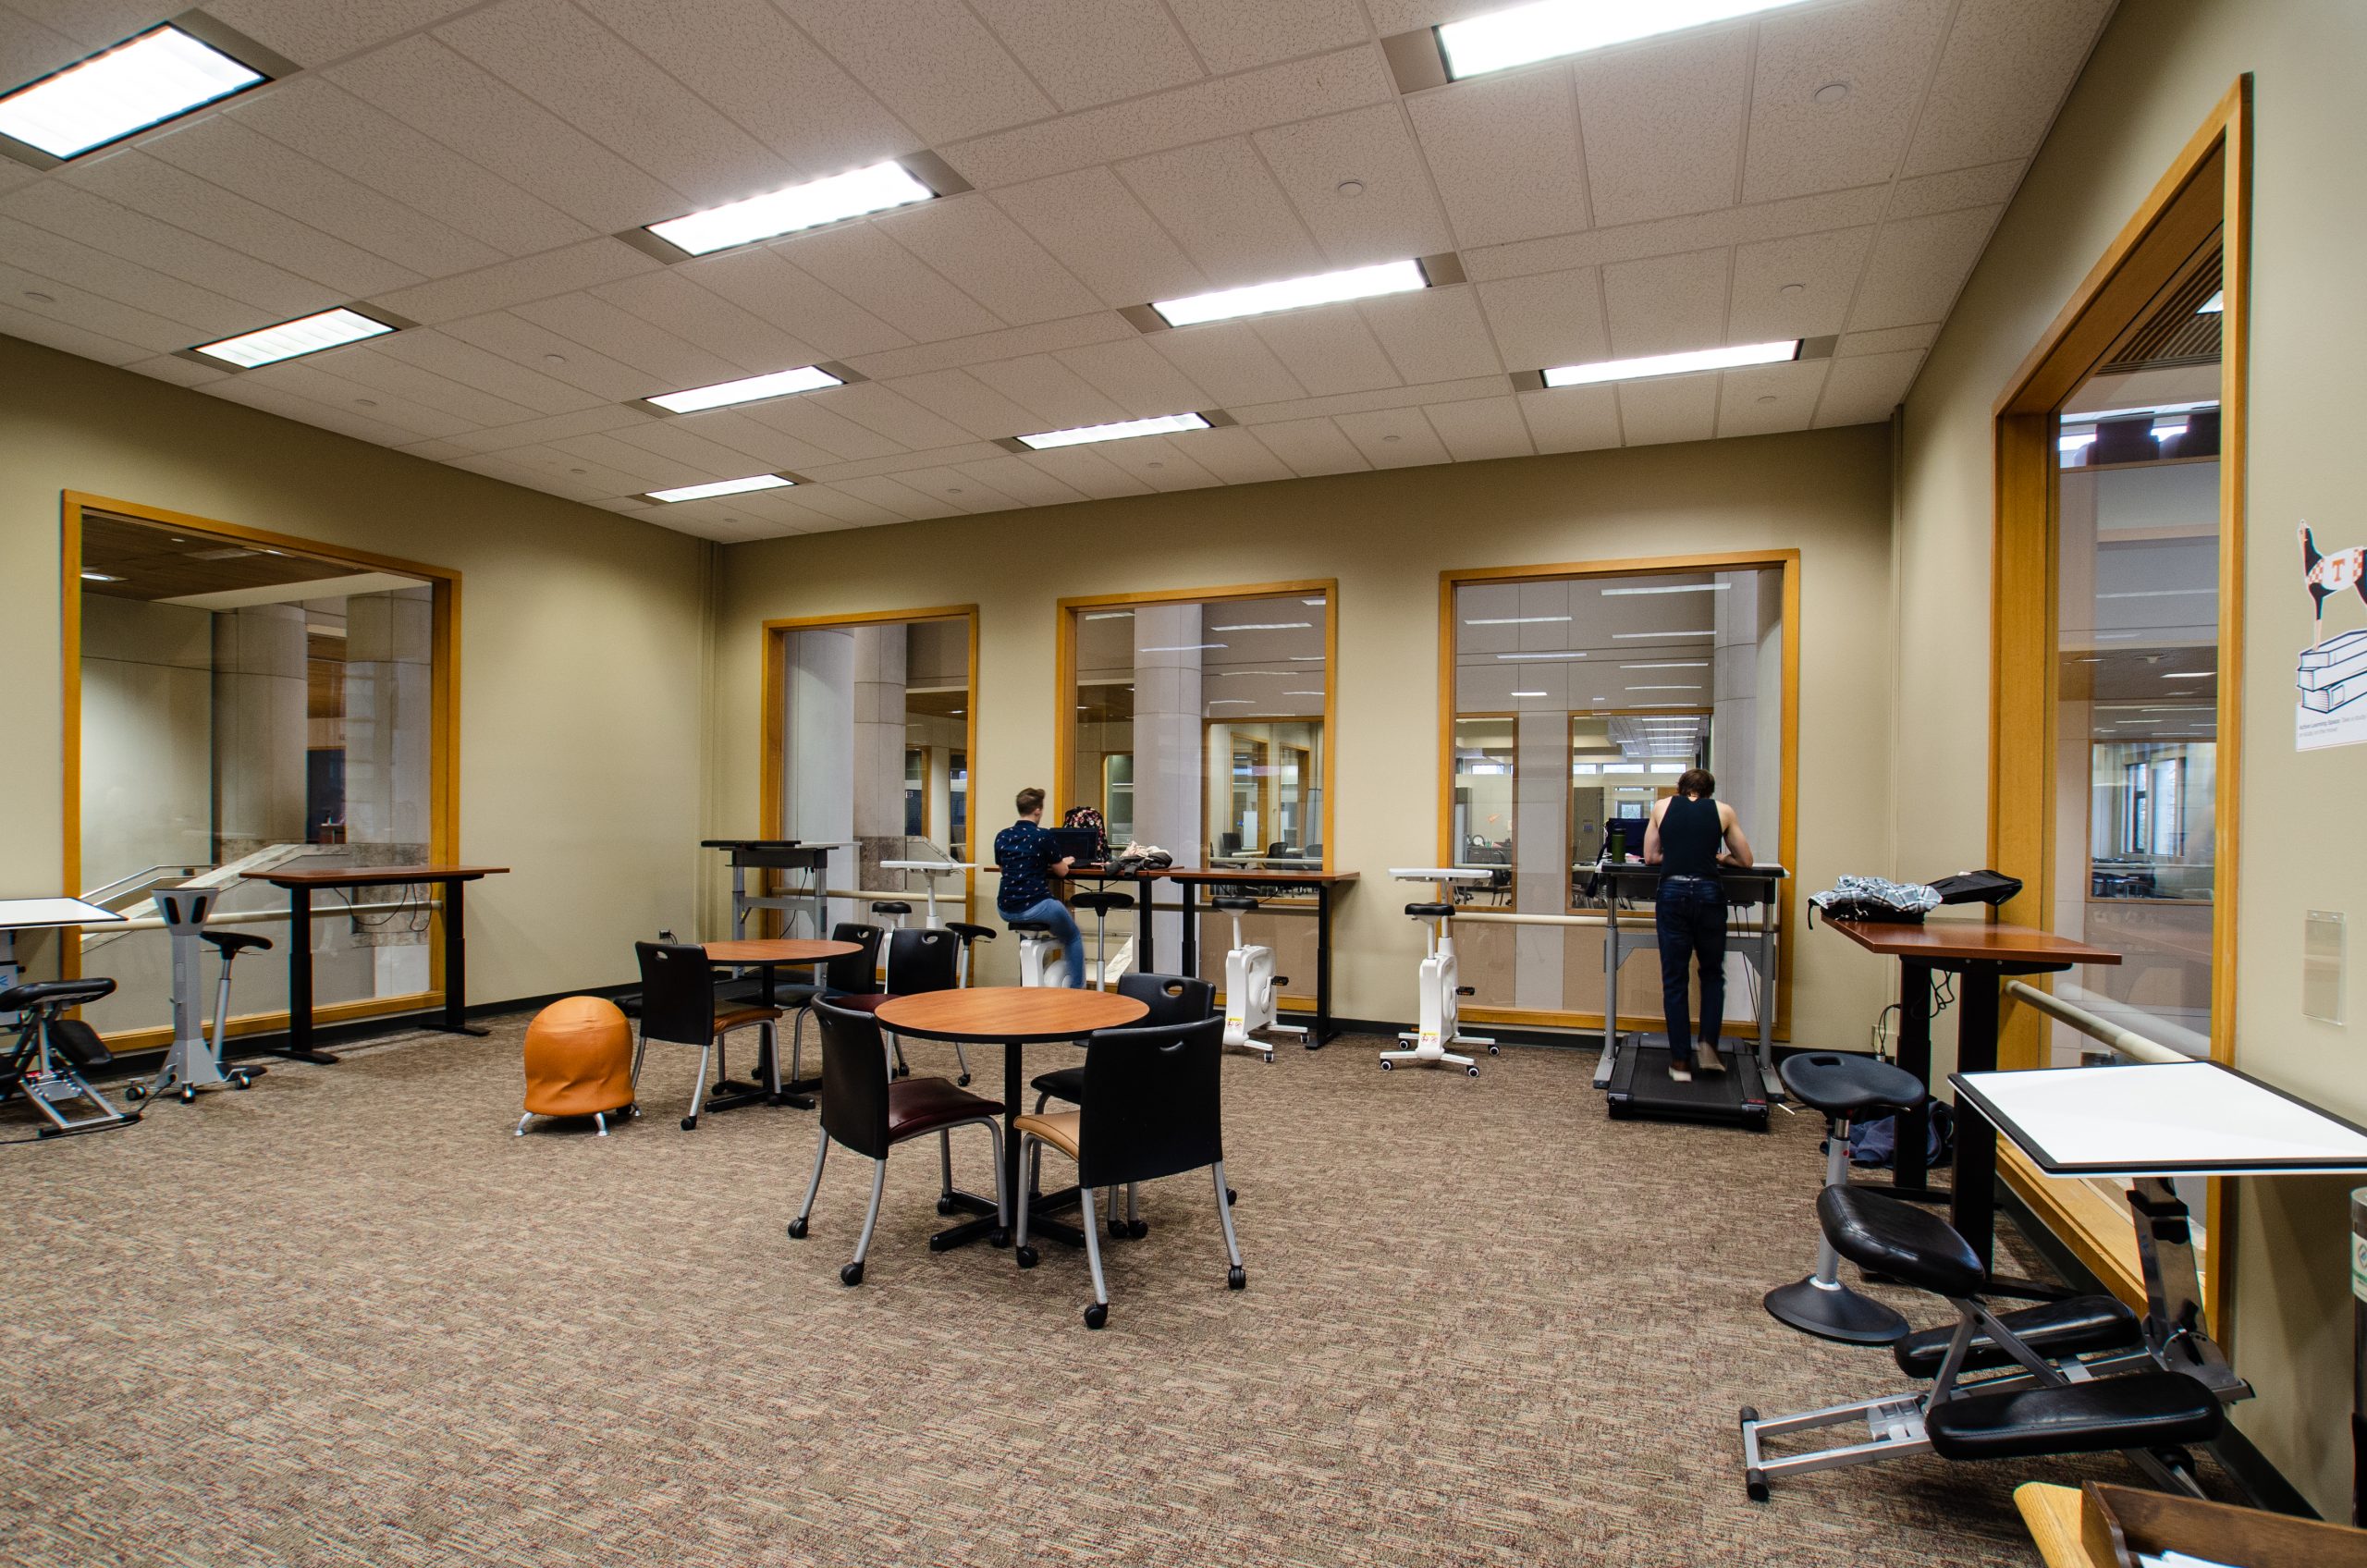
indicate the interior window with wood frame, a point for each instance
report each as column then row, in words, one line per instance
column 1576, row 697
column 240, row 702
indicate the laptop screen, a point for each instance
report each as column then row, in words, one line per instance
column 1081, row 844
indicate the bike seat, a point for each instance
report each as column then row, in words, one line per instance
column 1846, row 1083
column 231, row 943
column 1234, row 902
column 1030, row 927
column 38, row 994
column 1429, row 912
column 2056, row 1330
column 1101, row 902
column 2143, row 1410
column 890, row 906
column 969, row 933
column 1889, row 1236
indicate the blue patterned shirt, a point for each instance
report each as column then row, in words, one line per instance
column 1027, row 854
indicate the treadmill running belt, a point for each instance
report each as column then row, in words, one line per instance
column 1640, row 1087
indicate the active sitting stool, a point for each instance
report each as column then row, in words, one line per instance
column 677, row 1005
column 195, row 1064
column 579, row 1062
column 865, row 1111
column 1101, row 902
column 1848, row 1088
column 971, row 936
column 2148, row 1416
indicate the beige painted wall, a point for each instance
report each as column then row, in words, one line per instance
column 2155, row 74
column 1386, row 536
column 582, row 650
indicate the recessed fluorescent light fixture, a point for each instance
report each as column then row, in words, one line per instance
column 1294, row 293
column 1641, row 636
column 1679, row 687
column 1518, row 620
column 1687, row 363
column 1233, row 702
column 100, row 577
column 874, row 190
column 1310, row 601
column 748, row 389
column 2071, row 441
column 1182, row 648
column 1524, row 34
column 2169, row 430
column 293, row 339
column 1123, row 430
column 1670, row 664
column 722, row 487
column 1110, row 615
column 2213, row 306
column 1306, row 659
column 1530, row 694
column 2191, row 675
column 1302, row 693
column 160, row 75
column 1680, row 588
column 1267, row 626
column 1511, row 658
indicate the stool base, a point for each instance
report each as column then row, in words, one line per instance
column 1835, row 1311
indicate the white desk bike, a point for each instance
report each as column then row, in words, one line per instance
column 1441, row 988
column 1251, row 1006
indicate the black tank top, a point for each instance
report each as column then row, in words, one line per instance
column 1689, row 838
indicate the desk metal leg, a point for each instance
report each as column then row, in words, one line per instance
column 1191, row 929
column 1909, row 1174
column 1323, row 1030
column 1974, row 1208
column 1146, row 963
column 455, row 967
column 300, row 981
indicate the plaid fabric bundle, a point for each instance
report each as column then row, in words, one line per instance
column 1875, row 898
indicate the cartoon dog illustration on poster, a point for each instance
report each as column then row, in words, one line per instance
column 2332, row 674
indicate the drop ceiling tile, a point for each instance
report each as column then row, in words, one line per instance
column 320, row 381
column 1134, row 377
column 747, row 58
column 541, row 468
column 665, row 361
column 1229, row 362
column 1991, row 185
column 436, row 450
column 2003, row 75
column 1394, row 439
column 1231, row 218
column 1237, row 35
column 431, row 88
column 975, row 245
column 963, row 399
column 1022, row 481
column 135, row 180
column 93, row 24
column 1667, row 236
column 70, row 305
column 889, row 281
column 1481, row 428
column 1103, row 235
column 844, row 510
column 1404, row 16
column 673, row 300
column 103, row 273
column 1328, row 351
column 345, row 420
column 644, row 469
column 1823, row 269
column 984, row 347
column 808, row 418
column 875, row 405
column 1553, row 318
column 369, row 364
column 221, row 148
column 889, row 496
column 1163, row 463
column 1572, row 419
column 1056, row 395
column 590, row 77
column 1337, row 403
column 764, row 445
column 1882, row 50
column 1233, row 105
column 63, row 209
column 1236, row 457
column 562, row 271
column 1767, row 399
column 1864, row 390
column 763, row 282
column 902, row 462
column 50, row 332
column 930, row 61
column 1083, row 470
column 178, row 370
column 545, row 352
column 1888, row 339
column 28, row 51
column 1662, row 125
column 1917, row 266
column 1504, row 152
column 313, row 33
column 366, row 146
column 1088, row 51
column 1396, row 213
column 1437, row 335
column 1667, row 304
column 1311, row 446
column 596, row 420
column 962, row 491
column 1677, row 408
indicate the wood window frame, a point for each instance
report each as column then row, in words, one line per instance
column 2204, row 195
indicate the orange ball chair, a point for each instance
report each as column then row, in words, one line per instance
column 579, row 1061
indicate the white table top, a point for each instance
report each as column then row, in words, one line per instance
column 1440, row 874
column 2166, row 1119
column 23, row 915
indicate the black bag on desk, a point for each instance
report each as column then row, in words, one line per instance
column 1977, row 888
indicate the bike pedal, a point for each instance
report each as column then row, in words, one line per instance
column 1466, row 990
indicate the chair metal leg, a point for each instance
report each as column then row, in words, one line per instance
column 1043, row 1097
column 897, row 1044
column 812, row 1186
column 871, row 1216
column 1093, row 1254
column 1033, row 1150
column 797, row 1045
column 962, row 1062
column 771, row 1038
column 640, row 1049
column 945, row 1161
column 1003, row 1191
column 698, row 1090
column 1224, row 1213
column 521, row 1123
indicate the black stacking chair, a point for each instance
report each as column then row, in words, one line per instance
column 849, row 974
column 1173, row 998
column 1153, row 1107
column 679, row 1004
column 917, row 960
column 867, row 1111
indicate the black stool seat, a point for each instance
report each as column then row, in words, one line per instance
column 1429, row 912
column 890, row 906
column 1847, row 1084
column 2146, row 1410
column 969, row 933
column 1886, row 1236
column 1101, row 902
column 1029, row 927
column 1233, row 900
column 226, row 943
column 2055, row 1329
column 54, row 993
column 1066, row 1084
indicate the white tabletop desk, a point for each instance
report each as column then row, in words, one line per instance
column 2148, row 1122
column 34, row 914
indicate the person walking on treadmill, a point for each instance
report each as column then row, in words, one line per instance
column 1030, row 858
column 1689, row 837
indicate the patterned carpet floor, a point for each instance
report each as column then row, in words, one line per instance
column 348, row 1318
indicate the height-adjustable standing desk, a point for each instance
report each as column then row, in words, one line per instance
column 779, row 854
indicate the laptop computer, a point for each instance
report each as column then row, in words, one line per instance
column 1081, row 844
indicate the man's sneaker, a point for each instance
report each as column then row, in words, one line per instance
column 1679, row 1070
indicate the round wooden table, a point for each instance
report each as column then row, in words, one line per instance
column 1012, row 1017
column 767, row 954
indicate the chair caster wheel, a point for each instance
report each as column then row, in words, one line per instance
column 134, row 1092
column 1270, row 1056
column 1385, row 1066
column 1236, row 1278
column 1495, row 1050
column 946, row 1206
column 850, row 1275
column 1025, row 1257
column 690, row 1123
column 1231, row 1197
column 797, row 1229
column 997, row 1238
column 963, row 1081
column 1095, row 1316
column 242, row 1082
column 1472, row 1070
column 1138, row 1229
column 1117, row 1229
column 189, row 1094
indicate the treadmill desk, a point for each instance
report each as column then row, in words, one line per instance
column 1744, row 1094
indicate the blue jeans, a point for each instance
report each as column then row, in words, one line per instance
column 1054, row 913
column 1690, row 916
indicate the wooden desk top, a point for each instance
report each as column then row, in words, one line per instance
column 1277, row 878
column 1010, row 1014
column 371, row 875
column 1964, row 941
column 2053, row 1514
column 779, row 949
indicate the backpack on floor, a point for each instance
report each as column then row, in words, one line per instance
column 1875, row 1142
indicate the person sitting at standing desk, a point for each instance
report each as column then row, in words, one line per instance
column 1030, row 858
column 1689, row 837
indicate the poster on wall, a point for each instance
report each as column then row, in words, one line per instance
column 2332, row 674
